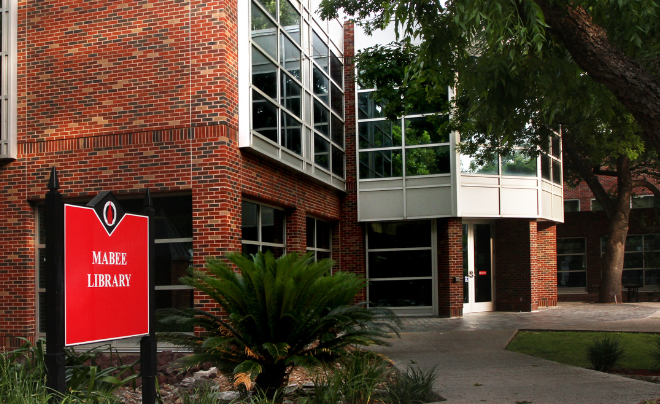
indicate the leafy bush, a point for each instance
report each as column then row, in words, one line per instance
column 414, row 386
column 355, row 379
column 604, row 353
column 23, row 376
column 282, row 313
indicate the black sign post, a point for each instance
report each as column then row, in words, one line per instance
column 148, row 342
column 54, row 358
column 55, row 297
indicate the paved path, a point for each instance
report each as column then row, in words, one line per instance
column 474, row 367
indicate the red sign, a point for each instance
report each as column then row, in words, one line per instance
column 482, row 272
column 106, row 275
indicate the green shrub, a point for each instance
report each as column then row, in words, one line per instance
column 654, row 352
column 23, row 376
column 282, row 313
column 354, row 380
column 414, row 386
column 604, row 353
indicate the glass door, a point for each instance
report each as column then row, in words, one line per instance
column 477, row 267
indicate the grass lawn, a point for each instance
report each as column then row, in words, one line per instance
column 570, row 347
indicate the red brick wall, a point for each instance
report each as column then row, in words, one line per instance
column 594, row 225
column 450, row 265
column 525, row 262
column 515, row 256
column 125, row 96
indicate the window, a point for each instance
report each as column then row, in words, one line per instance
column 173, row 249
column 262, row 229
column 595, row 205
column 8, row 17
column 319, row 238
column 415, row 145
column 644, row 201
column 400, row 264
column 571, row 205
column 571, row 263
column 551, row 160
column 641, row 262
column 297, row 84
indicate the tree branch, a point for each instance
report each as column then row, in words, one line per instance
column 587, row 173
column 644, row 183
column 607, row 173
column 633, row 85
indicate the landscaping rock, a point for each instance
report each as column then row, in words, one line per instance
column 206, row 374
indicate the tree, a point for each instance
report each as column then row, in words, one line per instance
column 615, row 42
column 517, row 85
column 281, row 313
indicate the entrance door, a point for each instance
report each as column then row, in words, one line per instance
column 477, row 267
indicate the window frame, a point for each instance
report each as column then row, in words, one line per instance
column 432, row 277
column 8, row 75
column 309, row 67
column 315, row 249
column 643, row 268
column 372, row 152
column 572, row 200
column 260, row 243
column 573, row 289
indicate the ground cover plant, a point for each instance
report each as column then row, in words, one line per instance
column 23, row 376
column 280, row 313
column 570, row 347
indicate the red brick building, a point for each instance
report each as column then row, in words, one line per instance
column 580, row 245
column 244, row 120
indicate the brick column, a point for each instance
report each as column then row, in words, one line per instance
column 351, row 233
column 525, row 265
column 450, row 265
column 515, row 257
column 545, row 275
column 296, row 231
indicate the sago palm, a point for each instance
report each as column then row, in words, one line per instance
column 280, row 313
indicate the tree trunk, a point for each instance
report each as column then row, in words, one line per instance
column 610, row 290
column 272, row 378
column 630, row 82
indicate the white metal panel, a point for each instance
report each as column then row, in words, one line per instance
column 292, row 159
column 558, row 208
column 519, row 202
column 428, row 202
column 428, row 181
column 546, row 186
column 546, row 205
column 479, row 180
column 265, row 147
column 479, row 201
column 244, row 79
column 520, row 182
column 382, row 184
column 381, row 205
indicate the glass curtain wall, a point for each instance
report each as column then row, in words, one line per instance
column 400, row 264
column 415, row 145
column 297, row 81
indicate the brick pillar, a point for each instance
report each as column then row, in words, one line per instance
column 296, row 231
column 545, row 276
column 515, row 258
column 450, row 265
column 526, row 265
column 352, row 255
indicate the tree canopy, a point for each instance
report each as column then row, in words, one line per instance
column 523, row 69
column 511, row 55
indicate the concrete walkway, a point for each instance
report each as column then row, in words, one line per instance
column 474, row 367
